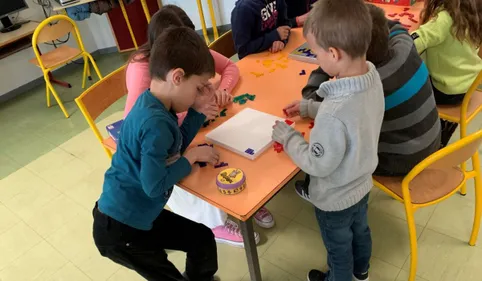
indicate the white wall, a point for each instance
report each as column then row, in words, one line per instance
column 222, row 9
column 15, row 70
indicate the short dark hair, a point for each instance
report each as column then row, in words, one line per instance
column 378, row 49
column 341, row 24
column 161, row 20
column 181, row 14
column 180, row 47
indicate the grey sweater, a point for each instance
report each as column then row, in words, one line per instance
column 411, row 127
column 342, row 153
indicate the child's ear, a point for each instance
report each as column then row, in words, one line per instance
column 335, row 53
column 177, row 75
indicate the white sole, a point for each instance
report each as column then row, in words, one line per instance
column 355, row 279
column 229, row 242
column 265, row 225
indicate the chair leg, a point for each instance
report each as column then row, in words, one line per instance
column 109, row 153
column 88, row 71
column 84, row 74
column 54, row 93
column 478, row 200
column 412, row 232
column 463, row 134
column 47, row 94
column 463, row 188
column 97, row 71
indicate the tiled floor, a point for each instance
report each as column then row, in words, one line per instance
column 29, row 129
column 51, row 177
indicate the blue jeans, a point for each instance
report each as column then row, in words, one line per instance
column 347, row 240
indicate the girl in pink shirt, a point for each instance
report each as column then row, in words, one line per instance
column 138, row 81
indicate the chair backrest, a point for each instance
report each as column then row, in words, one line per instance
column 224, row 45
column 468, row 97
column 96, row 99
column 54, row 31
column 453, row 155
column 53, row 28
column 99, row 97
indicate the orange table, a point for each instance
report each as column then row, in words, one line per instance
column 275, row 81
column 415, row 10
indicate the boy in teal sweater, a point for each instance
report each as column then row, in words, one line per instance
column 131, row 226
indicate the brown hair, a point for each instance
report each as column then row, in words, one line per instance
column 341, row 24
column 181, row 14
column 378, row 49
column 466, row 16
column 180, row 47
column 161, row 20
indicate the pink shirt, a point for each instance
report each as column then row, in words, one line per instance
column 138, row 79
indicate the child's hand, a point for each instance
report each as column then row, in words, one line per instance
column 281, row 131
column 202, row 154
column 292, row 109
column 277, row 46
column 223, row 98
column 205, row 103
column 210, row 110
column 300, row 21
column 284, row 32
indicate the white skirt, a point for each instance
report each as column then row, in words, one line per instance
column 191, row 207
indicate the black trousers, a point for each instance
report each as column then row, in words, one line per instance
column 448, row 128
column 145, row 251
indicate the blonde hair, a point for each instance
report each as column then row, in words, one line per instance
column 340, row 24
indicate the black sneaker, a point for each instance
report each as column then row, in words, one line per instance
column 316, row 275
column 302, row 190
column 360, row 277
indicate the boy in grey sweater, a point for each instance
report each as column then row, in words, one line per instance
column 342, row 153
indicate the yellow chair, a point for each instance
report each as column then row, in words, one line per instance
column 96, row 99
column 465, row 112
column 203, row 21
column 433, row 180
column 49, row 30
column 224, row 45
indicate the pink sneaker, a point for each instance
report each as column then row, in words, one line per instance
column 229, row 233
column 264, row 218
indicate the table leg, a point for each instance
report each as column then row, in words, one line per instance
column 250, row 247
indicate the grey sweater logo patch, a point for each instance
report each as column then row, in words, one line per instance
column 317, row 150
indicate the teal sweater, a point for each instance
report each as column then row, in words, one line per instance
column 147, row 163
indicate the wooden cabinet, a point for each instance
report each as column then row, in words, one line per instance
column 138, row 22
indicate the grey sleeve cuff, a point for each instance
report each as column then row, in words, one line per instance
column 309, row 108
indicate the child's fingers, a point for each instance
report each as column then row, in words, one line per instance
column 226, row 97
column 290, row 106
column 292, row 111
column 214, row 159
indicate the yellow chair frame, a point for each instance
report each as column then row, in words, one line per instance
column 464, row 119
column 83, row 53
column 203, row 21
column 429, row 163
column 128, row 23
column 96, row 99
